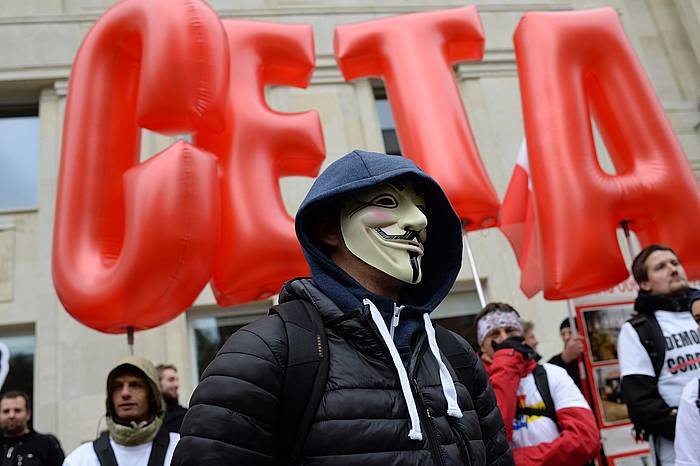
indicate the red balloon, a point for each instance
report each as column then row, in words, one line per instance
column 573, row 65
column 258, row 249
column 414, row 55
column 134, row 243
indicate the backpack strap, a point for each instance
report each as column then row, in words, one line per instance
column 103, row 450
column 697, row 400
column 456, row 355
column 651, row 337
column 306, row 375
column 159, row 448
column 542, row 384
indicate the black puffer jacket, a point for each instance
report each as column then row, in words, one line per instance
column 362, row 418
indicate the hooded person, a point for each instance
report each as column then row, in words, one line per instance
column 134, row 414
column 384, row 247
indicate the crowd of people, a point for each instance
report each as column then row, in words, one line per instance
column 348, row 368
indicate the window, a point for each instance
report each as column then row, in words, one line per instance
column 19, row 156
column 386, row 120
column 17, row 357
column 457, row 313
column 212, row 327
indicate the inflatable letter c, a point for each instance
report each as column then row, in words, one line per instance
column 134, row 243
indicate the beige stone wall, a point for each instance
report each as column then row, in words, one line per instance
column 39, row 39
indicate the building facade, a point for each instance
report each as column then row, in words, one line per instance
column 63, row 364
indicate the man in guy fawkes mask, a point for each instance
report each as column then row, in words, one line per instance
column 384, row 246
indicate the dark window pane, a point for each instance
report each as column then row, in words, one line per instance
column 386, row 122
column 463, row 325
column 20, row 375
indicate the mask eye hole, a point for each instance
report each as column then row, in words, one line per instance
column 385, row 200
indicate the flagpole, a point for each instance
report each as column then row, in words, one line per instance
column 475, row 272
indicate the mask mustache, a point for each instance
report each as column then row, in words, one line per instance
column 410, row 235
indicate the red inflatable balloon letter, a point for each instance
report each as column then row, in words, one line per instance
column 134, row 243
column 414, row 55
column 569, row 63
column 258, row 250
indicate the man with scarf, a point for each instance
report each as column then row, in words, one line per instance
column 548, row 421
column 384, row 246
column 135, row 411
column 659, row 348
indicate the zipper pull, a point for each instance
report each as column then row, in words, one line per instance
column 395, row 319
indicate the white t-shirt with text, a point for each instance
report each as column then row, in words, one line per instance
column 681, row 363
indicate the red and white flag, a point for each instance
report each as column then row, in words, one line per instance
column 517, row 222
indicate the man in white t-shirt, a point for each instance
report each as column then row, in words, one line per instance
column 135, row 412
column 687, row 443
column 548, row 421
column 658, row 349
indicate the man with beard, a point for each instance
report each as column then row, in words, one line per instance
column 135, row 411
column 21, row 444
column 658, row 349
column 169, row 382
column 384, row 246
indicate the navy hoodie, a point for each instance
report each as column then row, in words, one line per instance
column 442, row 258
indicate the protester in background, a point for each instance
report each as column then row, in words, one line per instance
column 384, row 247
column 659, row 348
column 530, row 338
column 169, row 382
column 21, row 445
column 548, row 421
column 687, row 442
column 573, row 348
column 135, row 411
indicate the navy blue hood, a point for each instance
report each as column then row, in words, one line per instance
column 442, row 259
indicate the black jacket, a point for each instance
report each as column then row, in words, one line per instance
column 362, row 418
column 32, row 449
column 173, row 417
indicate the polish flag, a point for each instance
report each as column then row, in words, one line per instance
column 517, row 222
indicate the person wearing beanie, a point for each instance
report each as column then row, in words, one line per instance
column 135, row 412
column 548, row 421
column 573, row 348
column 384, row 247
column 658, row 348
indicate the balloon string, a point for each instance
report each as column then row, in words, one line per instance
column 625, row 224
column 130, row 340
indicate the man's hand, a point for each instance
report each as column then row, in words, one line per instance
column 518, row 344
column 572, row 349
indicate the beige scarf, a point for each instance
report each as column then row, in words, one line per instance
column 134, row 434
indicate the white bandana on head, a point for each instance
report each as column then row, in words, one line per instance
column 497, row 319
column 385, row 227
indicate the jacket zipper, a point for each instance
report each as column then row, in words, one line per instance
column 437, row 454
column 395, row 319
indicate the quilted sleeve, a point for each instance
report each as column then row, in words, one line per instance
column 234, row 410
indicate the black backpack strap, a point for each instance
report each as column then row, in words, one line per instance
column 542, row 384
column 305, row 377
column 103, row 450
column 651, row 337
column 159, row 448
column 697, row 400
column 456, row 355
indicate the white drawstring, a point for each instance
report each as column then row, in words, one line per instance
column 448, row 385
column 415, row 432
